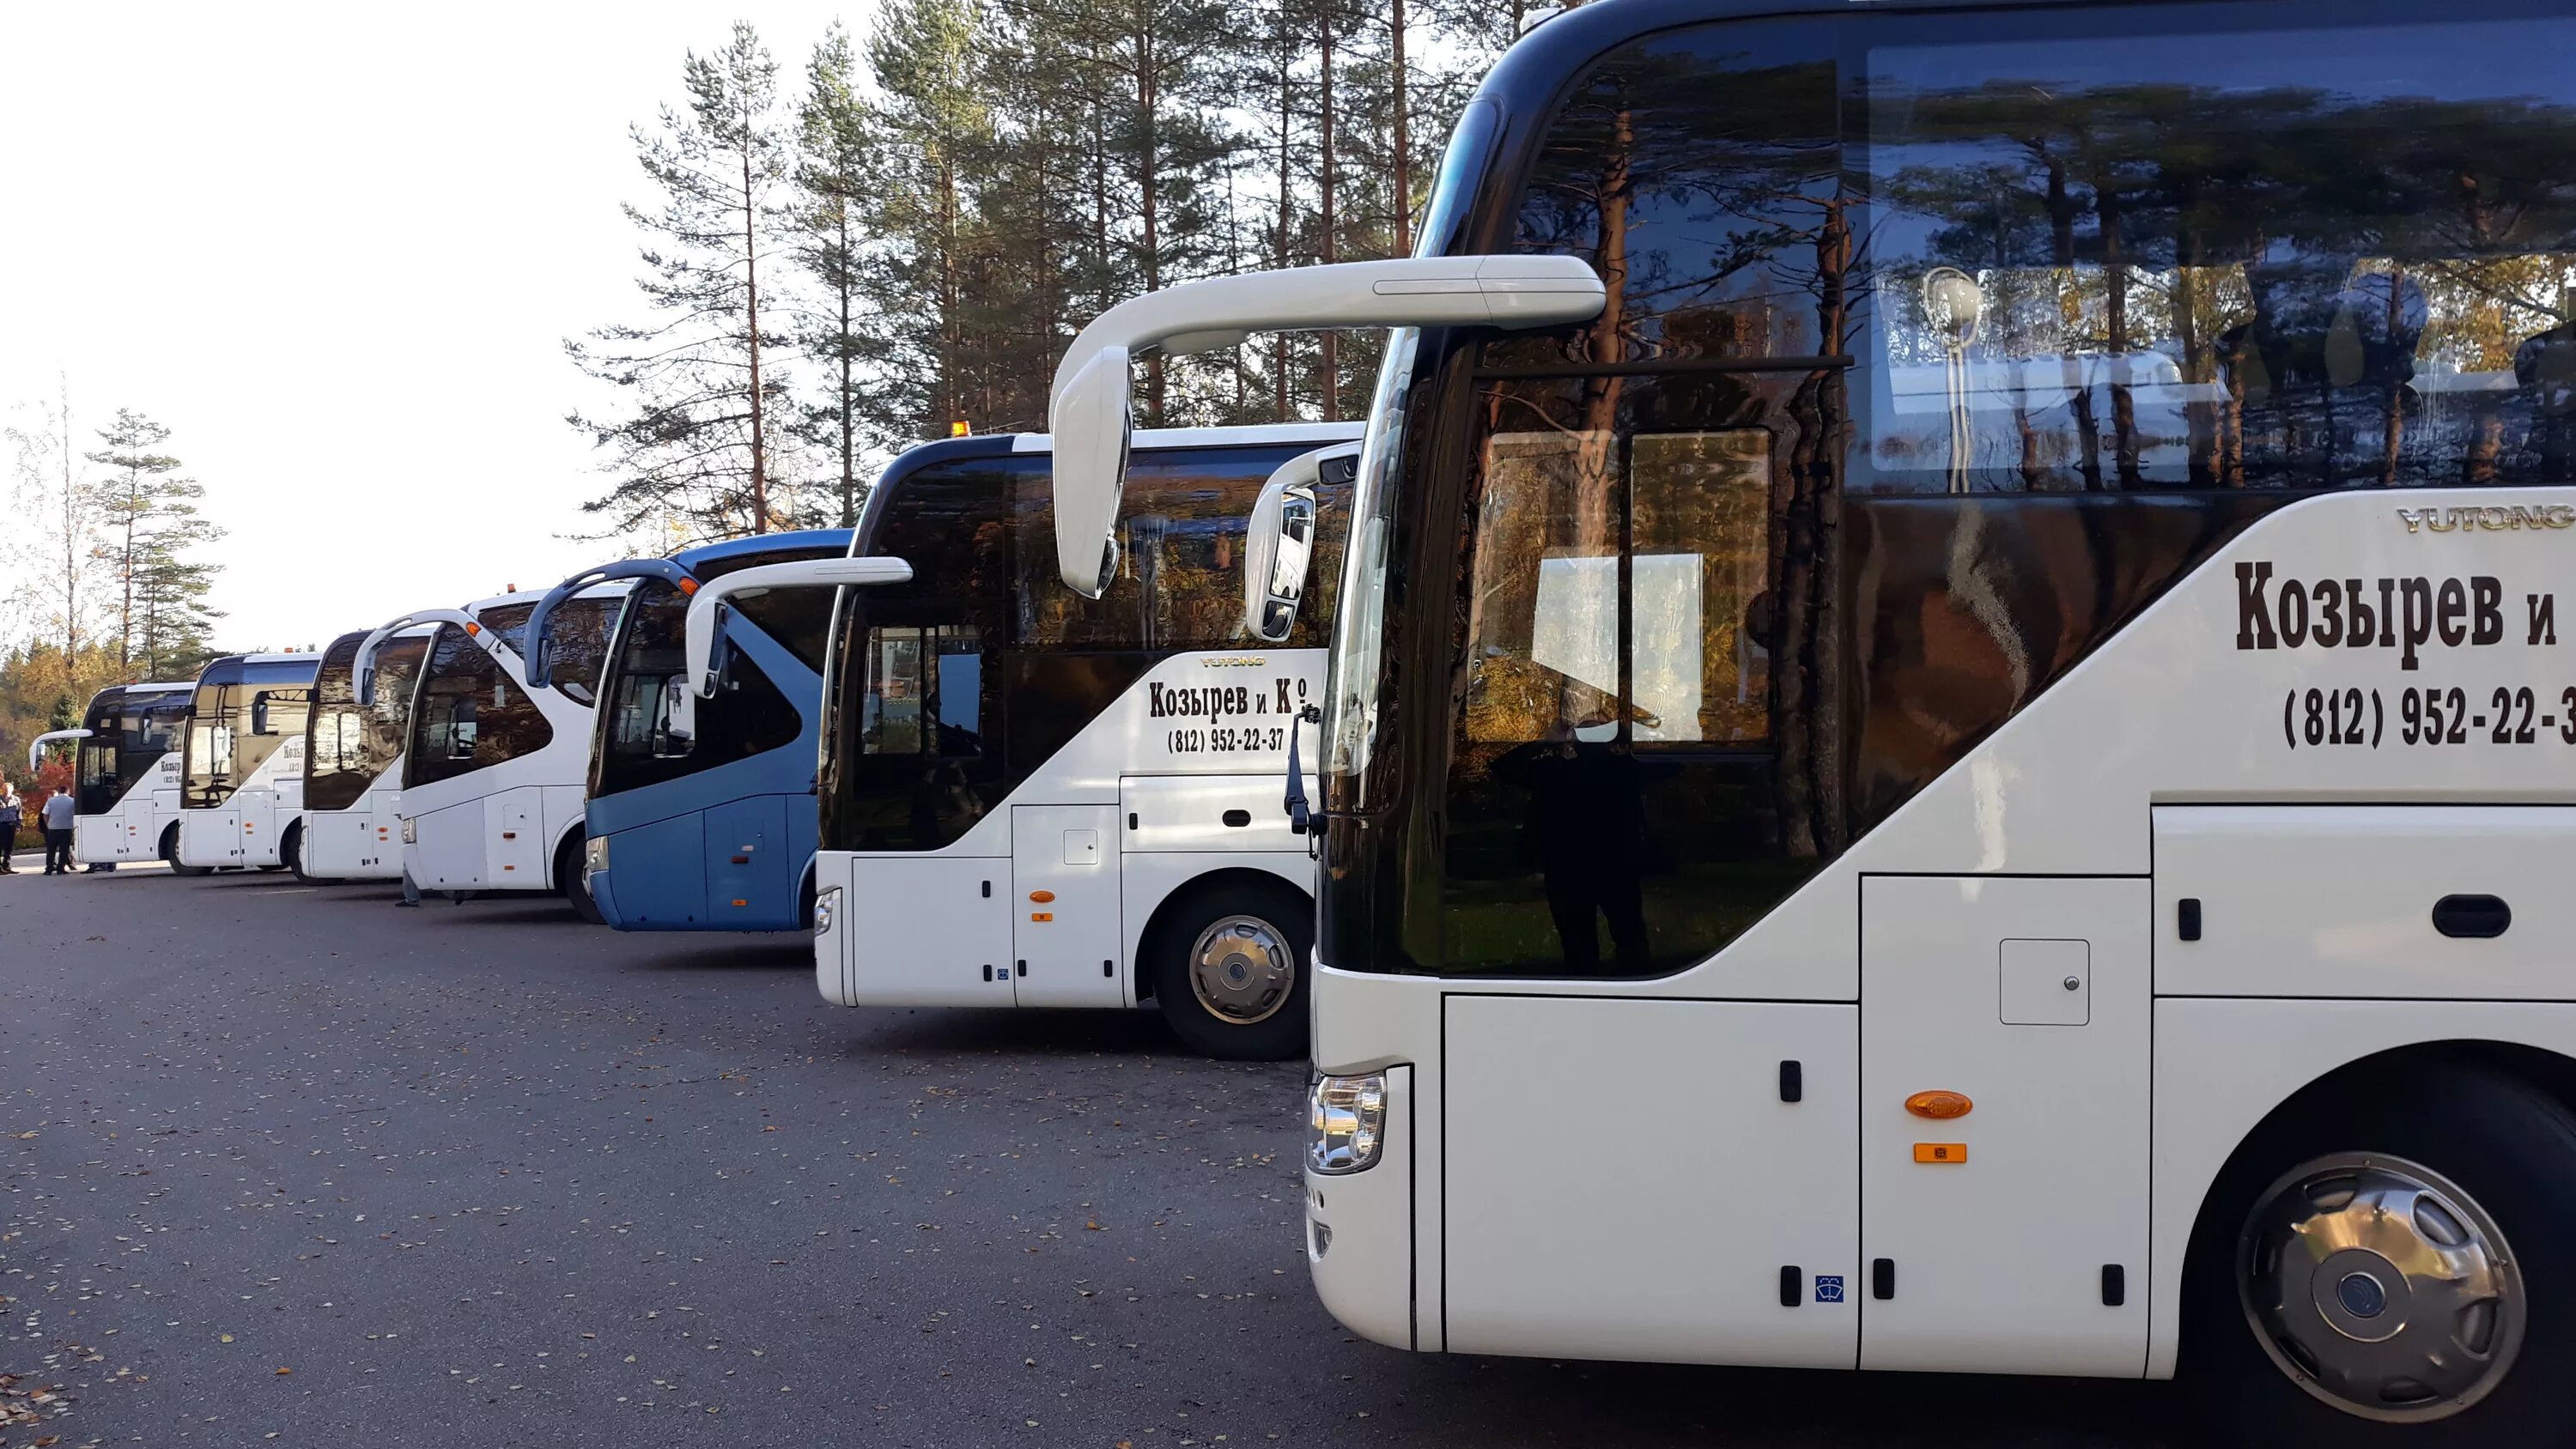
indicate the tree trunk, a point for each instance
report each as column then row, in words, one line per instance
column 751, row 335
column 849, row 420
column 1287, row 214
column 1403, row 134
column 1327, row 358
column 1149, row 194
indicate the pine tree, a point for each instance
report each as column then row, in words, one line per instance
column 935, row 123
column 697, row 453
column 834, row 178
column 146, row 519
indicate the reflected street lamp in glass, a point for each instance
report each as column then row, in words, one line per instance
column 1955, row 308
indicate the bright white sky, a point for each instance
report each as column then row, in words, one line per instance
column 336, row 249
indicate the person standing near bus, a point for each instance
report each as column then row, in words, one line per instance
column 58, row 810
column 13, row 813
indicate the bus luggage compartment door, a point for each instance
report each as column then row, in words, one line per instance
column 750, row 881
column 2009, row 1212
column 1671, row 1181
column 517, row 820
column 928, row 930
column 1064, row 922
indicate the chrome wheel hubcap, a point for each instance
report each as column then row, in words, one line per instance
column 1242, row 969
column 2381, row 1287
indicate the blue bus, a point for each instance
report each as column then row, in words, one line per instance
column 714, row 831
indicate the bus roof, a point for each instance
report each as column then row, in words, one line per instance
column 697, row 556
column 117, row 693
column 261, row 669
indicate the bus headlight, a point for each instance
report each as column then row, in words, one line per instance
column 411, row 832
column 825, row 904
column 594, row 855
column 1346, row 1120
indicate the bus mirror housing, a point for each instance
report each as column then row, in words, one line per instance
column 1279, row 542
column 702, row 672
column 538, row 633
column 36, row 746
column 362, row 669
column 1088, row 406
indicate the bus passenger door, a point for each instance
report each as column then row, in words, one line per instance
column 1064, row 927
column 745, row 840
column 2006, row 1225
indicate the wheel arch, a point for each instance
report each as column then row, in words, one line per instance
column 2219, row 1093
column 1179, row 896
column 572, row 836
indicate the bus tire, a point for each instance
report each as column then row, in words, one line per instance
column 291, row 850
column 1218, row 955
column 170, row 854
column 575, row 886
column 2458, row 1168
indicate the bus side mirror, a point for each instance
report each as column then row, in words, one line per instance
column 719, row 673
column 1278, row 546
column 1091, row 423
column 669, row 743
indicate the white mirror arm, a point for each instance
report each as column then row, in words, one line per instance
column 700, row 631
column 36, row 747
column 1506, row 291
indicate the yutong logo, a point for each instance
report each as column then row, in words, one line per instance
column 1234, row 661
column 2450, row 520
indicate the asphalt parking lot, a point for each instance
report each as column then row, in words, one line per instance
column 283, row 1164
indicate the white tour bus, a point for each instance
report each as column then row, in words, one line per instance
column 241, row 773
column 2070, row 879
column 352, row 826
column 494, row 774
column 1032, row 799
column 126, row 772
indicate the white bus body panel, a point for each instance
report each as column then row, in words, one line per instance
column 363, row 841
column 2337, row 900
column 2171, row 711
column 1199, row 735
column 1639, row 1184
column 248, row 829
column 131, row 829
column 498, row 828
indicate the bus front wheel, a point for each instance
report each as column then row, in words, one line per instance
column 170, row 855
column 1229, row 968
column 575, row 886
column 291, row 851
column 2393, row 1268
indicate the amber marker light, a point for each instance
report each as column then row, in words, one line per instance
column 1044, row 898
column 688, row 585
column 1939, row 1106
column 1941, row 1152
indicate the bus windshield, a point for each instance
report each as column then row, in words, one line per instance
column 352, row 745
column 467, row 714
column 751, row 716
column 129, row 733
column 232, row 730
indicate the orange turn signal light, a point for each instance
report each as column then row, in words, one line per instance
column 1042, row 897
column 688, row 585
column 473, row 629
column 1939, row 1106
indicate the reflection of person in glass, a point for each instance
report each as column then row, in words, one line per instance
column 944, row 804
column 1587, row 826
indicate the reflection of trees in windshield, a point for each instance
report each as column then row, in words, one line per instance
column 2341, row 289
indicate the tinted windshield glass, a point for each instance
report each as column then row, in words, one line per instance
column 233, row 730
column 748, row 716
column 467, row 714
column 351, row 746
